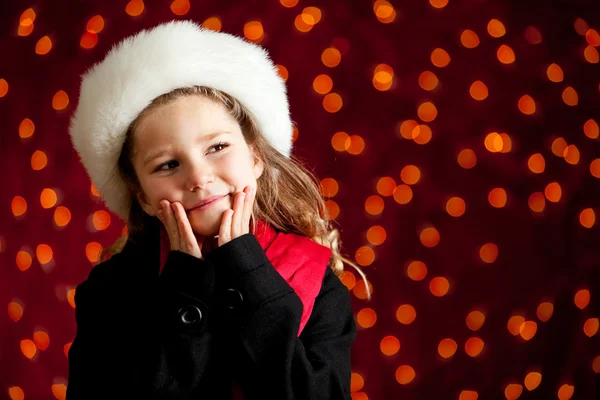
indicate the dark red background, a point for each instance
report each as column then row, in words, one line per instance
column 546, row 256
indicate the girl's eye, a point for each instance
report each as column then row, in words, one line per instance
column 160, row 167
column 220, row 146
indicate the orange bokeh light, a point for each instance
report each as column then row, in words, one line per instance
column 364, row 256
column 555, row 73
column 180, row 7
column 447, row 348
column 533, row 35
column 366, row 318
column 60, row 101
column 406, row 314
column 475, row 320
column 430, row 237
column 134, row 8
column 348, row 279
column 591, row 129
column 28, row 348
column 488, row 253
column 328, row 187
column 376, row 235
column 536, row 163
column 44, row 253
column 357, row 145
column 95, row 24
column 403, row 194
column 496, row 28
column 3, row 87
column 253, row 30
column 333, row 209
column 474, row 346
column 467, row 158
column 417, row 270
column 18, row 206
column 88, row 40
column 527, row 105
column 340, row 141
column 410, row 174
column 428, row 81
column 323, row 84
column 23, row 260
column 41, row 340
column 505, row 54
column 544, row 311
column 570, row 96
column 513, row 391
column 553, row 192
column 43, row 46
column 427, row 111
column 565, row 392
column 48, row 198
column 389, row 345
column 15, row 311
column 587, row 218
column 405, row 374
column 528, row 329
column 92, row 251
column 532, row 380
column 26, row 128
column 590, row 327
column 332, row 102
column 439, row 286
column 331, row 57
column 497, row 197
column 537, row 202
column 469, row 39
column 374, row 205
column 386, row 186
column 62, row 216
column 440, row 58
column 455, row 206
column 213, row 23
column 478, row 90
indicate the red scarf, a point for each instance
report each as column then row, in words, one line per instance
column 299, row 260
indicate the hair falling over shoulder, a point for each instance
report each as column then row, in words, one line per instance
column 287, row 195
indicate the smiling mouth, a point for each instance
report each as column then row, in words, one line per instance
column 207, row 205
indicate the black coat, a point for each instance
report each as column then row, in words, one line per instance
column 187, row 332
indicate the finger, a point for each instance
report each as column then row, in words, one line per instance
column 187, row 240
column 225, row 229
column 170, row 225
column 248, row 204
column 238, row 213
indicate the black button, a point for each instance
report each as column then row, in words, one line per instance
column 233, row 299
column 190, row 315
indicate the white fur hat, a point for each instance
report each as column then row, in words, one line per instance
column 154, row 62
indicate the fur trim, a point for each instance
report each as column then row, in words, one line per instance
column 154, row 62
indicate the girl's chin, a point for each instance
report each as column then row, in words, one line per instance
column 206, row 225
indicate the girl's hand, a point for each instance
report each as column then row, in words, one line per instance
column 236, row 221
column 178, row 227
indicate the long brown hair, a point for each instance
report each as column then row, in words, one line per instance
column 287, row 194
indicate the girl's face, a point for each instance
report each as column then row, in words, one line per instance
column 190, row 150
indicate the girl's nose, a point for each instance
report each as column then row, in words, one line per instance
column 199, row 175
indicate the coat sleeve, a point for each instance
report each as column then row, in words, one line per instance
column 272, row 361
column 148, row 338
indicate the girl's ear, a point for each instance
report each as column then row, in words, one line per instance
column 147, row 207
column 259, row 165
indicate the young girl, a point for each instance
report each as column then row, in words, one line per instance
column 226, row 285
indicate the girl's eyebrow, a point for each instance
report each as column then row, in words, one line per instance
column 203, row 138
